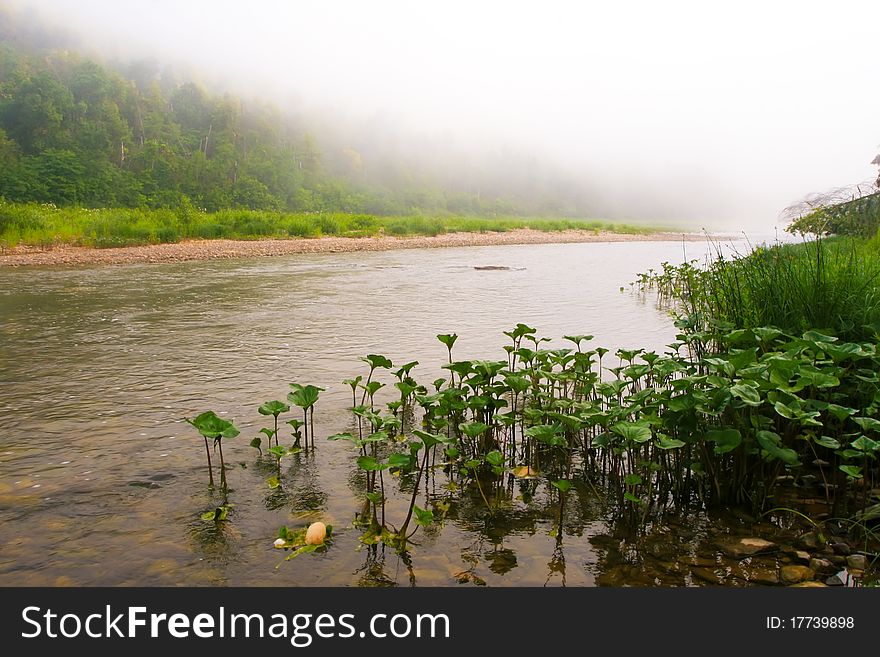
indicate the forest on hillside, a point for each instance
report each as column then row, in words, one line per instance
column 75, row 131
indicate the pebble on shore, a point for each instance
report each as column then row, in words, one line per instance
column 215, row 249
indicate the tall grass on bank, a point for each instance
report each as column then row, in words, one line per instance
column 828, row 284
column 45, row 225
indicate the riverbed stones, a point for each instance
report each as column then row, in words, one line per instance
column 841, row 548
column 802, row 556
column 746, row 547
column 793, row 574
column 212, row 249
column 856, row 562
column 757, row 572
column 837, row 580
column 707, row 575
column 821, row 565
column 808, row 541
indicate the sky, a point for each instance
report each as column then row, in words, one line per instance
column 711, row 112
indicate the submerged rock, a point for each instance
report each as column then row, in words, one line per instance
column 707, row 575
column 745, row 547
column 491, row 268
column 810, row 585
column 525, row 472
column 793, row 574
column 758, row 573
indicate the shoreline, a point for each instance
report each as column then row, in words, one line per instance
column 23, row 256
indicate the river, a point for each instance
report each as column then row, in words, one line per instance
column 102, row 483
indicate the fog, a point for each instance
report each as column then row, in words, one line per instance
column 715, row 114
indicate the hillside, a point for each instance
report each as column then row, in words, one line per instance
column 77, row 132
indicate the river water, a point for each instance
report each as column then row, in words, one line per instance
column 102, row 483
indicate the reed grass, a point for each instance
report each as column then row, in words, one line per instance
column 828, row 284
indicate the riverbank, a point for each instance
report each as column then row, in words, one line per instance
column 21, row 256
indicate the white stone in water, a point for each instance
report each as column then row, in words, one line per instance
column 279, row 542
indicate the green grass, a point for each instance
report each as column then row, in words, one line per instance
column 34, row 224
column 827, row 284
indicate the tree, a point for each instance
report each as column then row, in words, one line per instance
column 34, row 117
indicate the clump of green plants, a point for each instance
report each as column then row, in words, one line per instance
column 830, row 285
column 720, row 419
column 726, row 416
column 313, row 538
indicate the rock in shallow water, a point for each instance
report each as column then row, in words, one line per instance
column 803, row 556
column 821, row 565
column 794, row 574
column 809, row 541
column 144, row 484
column 856, row 562
column 810, row 585
column 745, row 547
column 707, row 575
column 316, row 533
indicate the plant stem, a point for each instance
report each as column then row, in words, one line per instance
column 210, row 469
column 222, row 465
column 412, row 501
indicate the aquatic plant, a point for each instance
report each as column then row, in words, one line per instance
column 295, row 432
column 722, row 418
column 374, row 361
column 305, row 397
column 210, row 426
column 353, row 384
column 218, row 514
column 716, row 420
column 273, row 408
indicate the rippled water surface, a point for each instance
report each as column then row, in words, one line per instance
column 102, row 483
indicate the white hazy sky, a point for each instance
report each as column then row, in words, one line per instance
column 754, row 103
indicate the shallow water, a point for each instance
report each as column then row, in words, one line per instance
column 101, row 482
